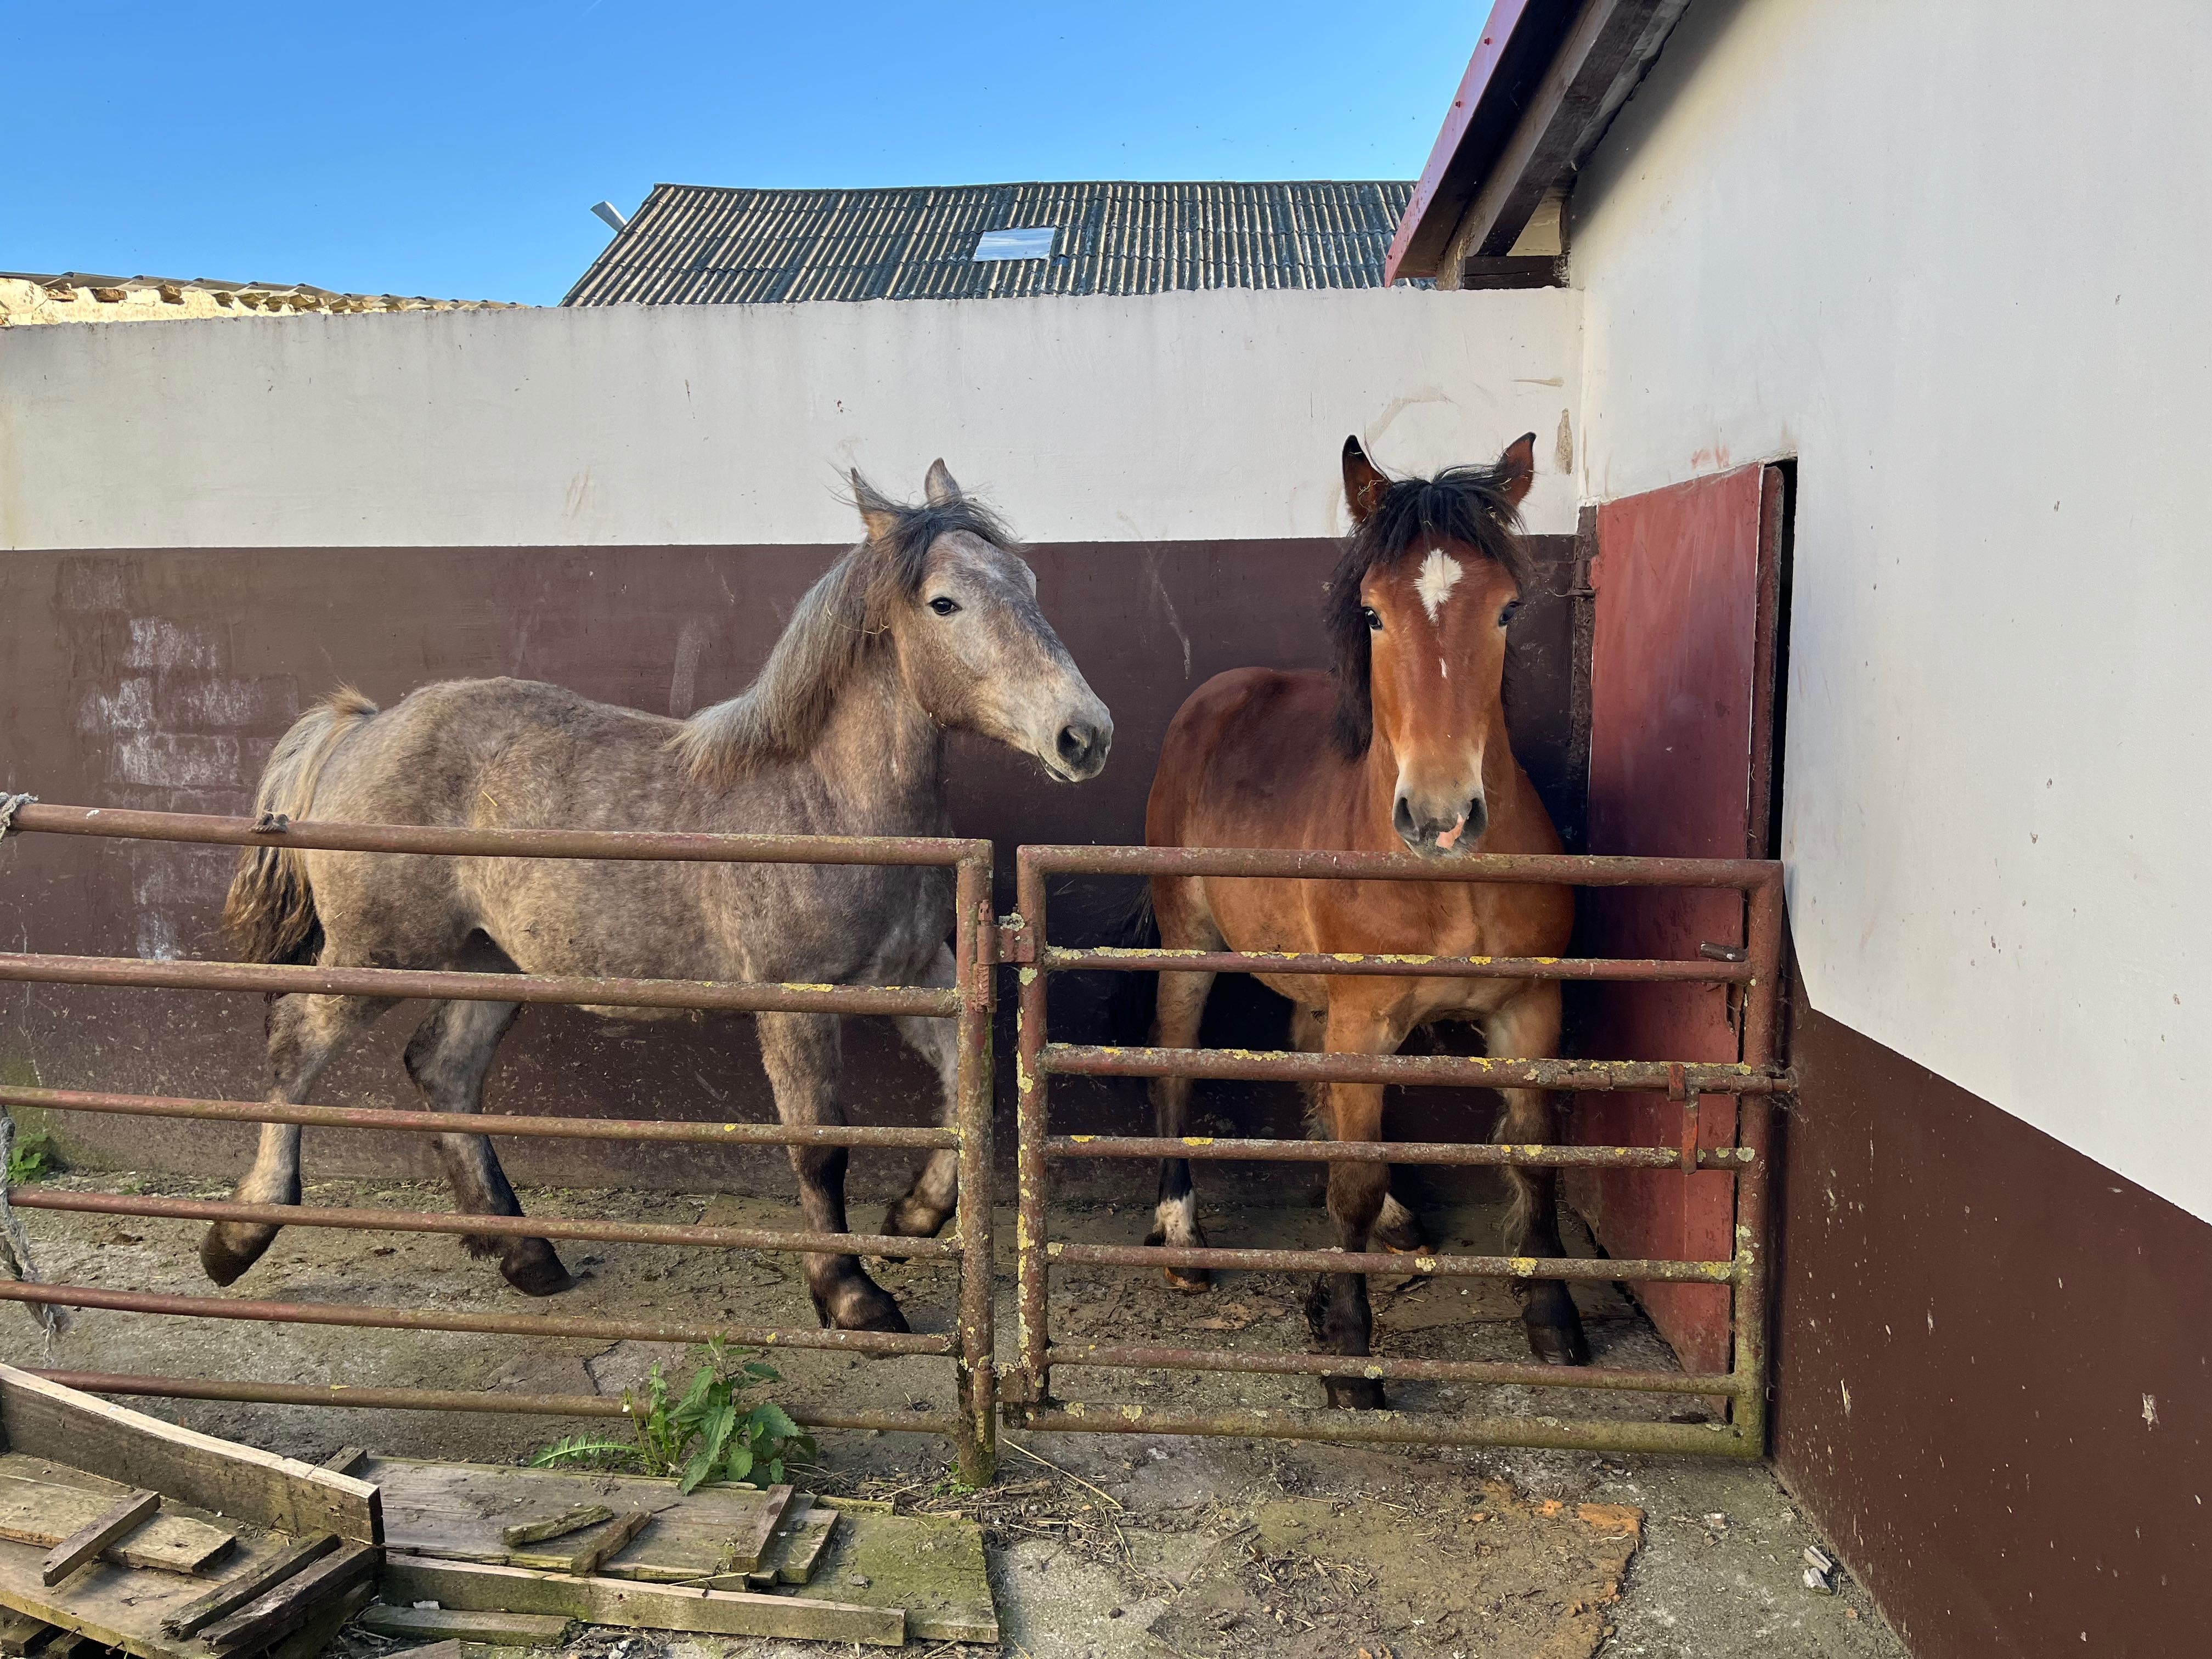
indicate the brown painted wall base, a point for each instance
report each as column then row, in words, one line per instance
column 1994, row 1372
column 161, row 679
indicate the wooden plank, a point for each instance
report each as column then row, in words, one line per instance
column 507, row 1630
column 807, row 1538
column 636, row 1605
column 293, row 1602
column 20, row 1632
column 228, row 1597
column 40, row 1512
column 797, row 1545
column 237, row 1481
column 751, row 1548
column 96, row 1535
column 625, row 1527
column 458, row 1511
column 346, row 1460
column 120, row 1605
column 322, row 1628
column 429, row 1651
column 570, row 1520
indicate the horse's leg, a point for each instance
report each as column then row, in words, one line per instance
column 1337, row 1311
column 1527, row 1028
column 305, row 1035
column 1396, row 1229
column 448, row 1057
column 801, row 1054
column 1178, row 1006
column 929, row 1201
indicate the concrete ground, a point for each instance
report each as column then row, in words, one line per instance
column 1101, row 1545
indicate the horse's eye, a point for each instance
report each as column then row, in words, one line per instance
column 943, row 606
column 1506, row 615
column 1374, row 618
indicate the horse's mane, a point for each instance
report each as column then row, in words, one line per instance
column 841, row 618
column 1465, row 504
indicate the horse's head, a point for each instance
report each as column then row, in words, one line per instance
column 975, row 651
column 1417, row 612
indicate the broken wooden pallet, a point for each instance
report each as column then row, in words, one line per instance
column 637, row 1606
column 506, row 1630
column 217, row 1488
column 37, row 1507
column 134, row 1451
column 713, row 1536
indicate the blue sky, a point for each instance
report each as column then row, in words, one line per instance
column 455, row 150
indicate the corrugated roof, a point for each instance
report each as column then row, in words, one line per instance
column 701, row 245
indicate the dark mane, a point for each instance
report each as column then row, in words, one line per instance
column 1465, row 504
column 780, row 714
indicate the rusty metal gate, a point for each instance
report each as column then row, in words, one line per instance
column 1025, row 1394
column 968, row 1001
column 1752, row 968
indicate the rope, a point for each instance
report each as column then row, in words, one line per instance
column 16, row 1243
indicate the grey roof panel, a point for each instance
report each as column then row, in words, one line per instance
column 700, row 244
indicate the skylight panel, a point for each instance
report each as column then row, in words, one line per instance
column 1024, row 242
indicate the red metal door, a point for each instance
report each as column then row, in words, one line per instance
column 1681, row 724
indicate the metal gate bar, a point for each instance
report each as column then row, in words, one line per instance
column 1030, row 1402
column 972, row 1426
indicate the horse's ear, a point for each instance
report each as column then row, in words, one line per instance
column 939, row 486
column 877, row 515
column 1519, row 465
column 1363, row 483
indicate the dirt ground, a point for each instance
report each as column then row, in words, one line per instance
column 1100, row 1545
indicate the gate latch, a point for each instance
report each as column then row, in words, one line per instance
column 1011, row 940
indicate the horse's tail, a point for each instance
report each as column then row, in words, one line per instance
column 1129, row 1004
column 270, row 912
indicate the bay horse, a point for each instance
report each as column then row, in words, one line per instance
column 1402, row 746
column 930, row 625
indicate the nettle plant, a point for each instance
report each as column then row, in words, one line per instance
column 717, row 1431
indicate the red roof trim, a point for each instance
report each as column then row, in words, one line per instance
column 1497, row 34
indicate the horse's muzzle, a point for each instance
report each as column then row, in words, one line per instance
column 1080, row 750
column 1424, row 830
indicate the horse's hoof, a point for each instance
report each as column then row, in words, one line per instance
column 1555, row 1324
column 864, row 1307
column 1396, row 1231
column 1559, row 1344
column 1353, row 1393
column 537, row 1273
column 1192, row 1281
column 909, row 1218
column 230, row 1247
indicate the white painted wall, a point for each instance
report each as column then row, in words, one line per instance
column 1951, row 256
column 1169, row 417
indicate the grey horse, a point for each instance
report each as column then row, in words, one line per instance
column 930, row 625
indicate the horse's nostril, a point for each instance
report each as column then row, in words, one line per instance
column 1076, row 743
column 1478, row 818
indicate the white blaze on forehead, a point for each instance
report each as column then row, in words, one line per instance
column 1440, row 573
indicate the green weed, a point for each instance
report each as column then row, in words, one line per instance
column 716, row 1430
column 29, row 1159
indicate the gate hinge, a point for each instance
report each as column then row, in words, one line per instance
column 1016, row 1386
column 1011, row 940
column 1582, row 583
